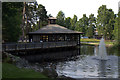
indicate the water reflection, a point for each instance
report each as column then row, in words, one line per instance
column 81, row 62
column 102, row 68
column 53, row 56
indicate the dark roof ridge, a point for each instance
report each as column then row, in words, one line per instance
column 54, row 28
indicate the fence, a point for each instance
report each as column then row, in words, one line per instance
column 27, row 46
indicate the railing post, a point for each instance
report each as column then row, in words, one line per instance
column 72, row 43
column 15, row 46
column 48, row 44
column 62, row 43
column 34, row 45
column 5, row 47
column 42, row 45
column 65, row 43
column 68, row 43
column 55, row 44
column 25, row 46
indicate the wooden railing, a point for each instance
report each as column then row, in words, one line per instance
column 27, row 46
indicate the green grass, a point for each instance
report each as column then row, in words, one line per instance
column 11, row 71
column 109, row 42
column 96, row 42
column 89, row 40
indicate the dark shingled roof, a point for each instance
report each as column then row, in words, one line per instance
column 53, row 28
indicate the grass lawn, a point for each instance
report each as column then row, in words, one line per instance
column 89, row 40
column 11, row 71
column 96, row 42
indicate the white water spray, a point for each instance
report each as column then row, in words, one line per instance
column 102, row 50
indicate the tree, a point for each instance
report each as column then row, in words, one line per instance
column 82, row 24
column 67, row 22
column 79, row 25
column 60, row 18
column 116, row 30
column 73, row 22
column 42, row 15
column 50, row 15
column 11, row 21
column 30, row 16
column 105, row 22
column 101, row 19
column 23, row 22
column 91, row 26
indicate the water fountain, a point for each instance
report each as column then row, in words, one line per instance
column 102, row 50
column 91, row 62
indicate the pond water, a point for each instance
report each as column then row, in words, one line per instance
column 81, row 62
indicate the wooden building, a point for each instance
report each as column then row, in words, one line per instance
column 54, row 33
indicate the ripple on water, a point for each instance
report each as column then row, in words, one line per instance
column 88, row 67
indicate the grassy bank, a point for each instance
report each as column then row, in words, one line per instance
column 96, row 42
column 89, row 40
column 11, row 71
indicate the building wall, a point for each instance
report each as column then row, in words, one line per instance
column 54, row 38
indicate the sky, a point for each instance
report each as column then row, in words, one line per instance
column 77, row 7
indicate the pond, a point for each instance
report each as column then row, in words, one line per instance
column 81, row 62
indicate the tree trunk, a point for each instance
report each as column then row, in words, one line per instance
column 23, row 21
column 26, row 27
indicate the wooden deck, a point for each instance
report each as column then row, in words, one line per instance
column 28, row 46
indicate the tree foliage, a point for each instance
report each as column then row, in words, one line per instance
column 91, row 26
column 67, row 22
column 82, row 24
column 79, row 26
column 42, row 15
column 60, row 18
column 116, row 30
column 105, row 22
column 30, row 16
column 11, row 21
column 73, row 22
column 22, row 18
column 35, row 15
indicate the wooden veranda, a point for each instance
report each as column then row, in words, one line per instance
column 49, row 36
column 33, row 46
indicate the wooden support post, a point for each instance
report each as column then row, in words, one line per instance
column 55, row 44
column 34, row 45
column 25, row 46
column 79, row 39
column 15, row 47
column 5, row 46
column 29, row 38
column 48, row 44
column 41, row 45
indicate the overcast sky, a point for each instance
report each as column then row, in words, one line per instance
column 77, row 7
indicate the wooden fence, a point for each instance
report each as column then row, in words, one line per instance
column 42, row 45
